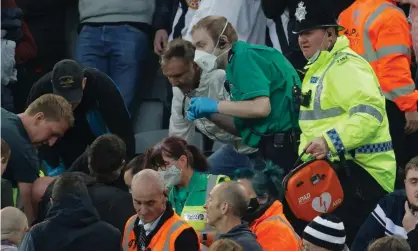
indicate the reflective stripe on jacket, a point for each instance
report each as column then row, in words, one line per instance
column 273, row 230
column 196, row 215
column 163, row 240
column 379, row 31
column 347, row 108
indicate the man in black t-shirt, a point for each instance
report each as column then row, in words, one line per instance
column 42, row 123
column 98, row 109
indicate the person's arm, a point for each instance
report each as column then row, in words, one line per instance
column 179, row 125
column 24, row 171
column 258, row 107
column 25, row 193
column 162, row 15
column 224, row 122
column 162, row 23
column 251, row 83
column 223, row 130
column 393, row 45
column 114, row 113
column 363, row 102
column 187, row 240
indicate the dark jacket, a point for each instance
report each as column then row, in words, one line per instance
column 187, row 240
column 385, row 220
column 413, row 239
column 242, row 235
column 46, row 20
column 101, row 111
column 273, row 9
column 165, row 11
column 81, row 165
column 73, row 223
column 113, row 205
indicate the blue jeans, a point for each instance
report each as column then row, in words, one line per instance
column 117, row 50
column 226, row 160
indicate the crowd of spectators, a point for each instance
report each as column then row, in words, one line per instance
column 169, row 125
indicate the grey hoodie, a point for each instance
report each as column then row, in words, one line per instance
column 242, row 235
column 114, row 11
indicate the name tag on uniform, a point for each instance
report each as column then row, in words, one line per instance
column 194, row 216
column 314, row 80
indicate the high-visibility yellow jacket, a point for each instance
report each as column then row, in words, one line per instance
column 347, row 108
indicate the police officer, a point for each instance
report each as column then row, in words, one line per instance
column 260, row 81
column 343, row 117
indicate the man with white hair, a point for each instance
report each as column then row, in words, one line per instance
column 155, row 225
column 14, row 225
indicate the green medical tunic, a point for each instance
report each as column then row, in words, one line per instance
column 260, row 71
column 188, row 202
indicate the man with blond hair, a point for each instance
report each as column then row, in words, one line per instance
column 43, row 123
column 14, row 225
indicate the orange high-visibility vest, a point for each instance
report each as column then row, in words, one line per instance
column 273, row 230
column 163, row 240
column 379, row 31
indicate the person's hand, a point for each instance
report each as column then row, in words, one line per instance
column 201, row 107
column 160, row 41
column 318, row 148
column 411, row 122
column 410, row 219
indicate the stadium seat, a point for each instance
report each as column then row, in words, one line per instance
column 149, row 116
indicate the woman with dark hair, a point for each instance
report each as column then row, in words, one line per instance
column 265, row 212
column 182, row 167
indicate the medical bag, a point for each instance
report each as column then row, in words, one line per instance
column 313, row 188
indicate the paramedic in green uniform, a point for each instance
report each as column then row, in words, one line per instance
column 260, row 81
column 181, row 166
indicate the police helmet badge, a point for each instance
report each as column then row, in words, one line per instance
column 300, row 12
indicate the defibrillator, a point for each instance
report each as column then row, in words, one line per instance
column 313, row 188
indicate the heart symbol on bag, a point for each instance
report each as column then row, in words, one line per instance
column 321, row 204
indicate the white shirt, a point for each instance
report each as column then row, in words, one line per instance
column 149, row 227
column 246, row 16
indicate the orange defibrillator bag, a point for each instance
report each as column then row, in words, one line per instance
column 313, row 188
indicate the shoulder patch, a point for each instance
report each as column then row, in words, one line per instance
column 314, row 80
column 342, row 59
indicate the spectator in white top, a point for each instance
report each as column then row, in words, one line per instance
column 246, row 16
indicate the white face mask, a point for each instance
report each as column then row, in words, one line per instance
column 315, row 56
column 208, row 61
column 171, row 176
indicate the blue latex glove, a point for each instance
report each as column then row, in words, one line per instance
column 201, row 107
